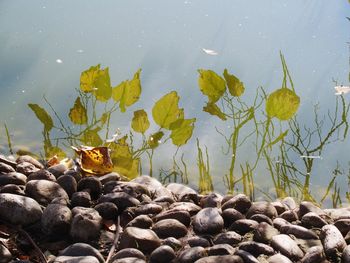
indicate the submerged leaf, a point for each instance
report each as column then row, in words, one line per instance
column 103, row 89
column 140, row 122
column 234, row 85
column 182, row 134
column 128, row 92
column 155, row 139
column 78, row 114
column 166, row 110
column 43, row 116
column 211, row 84
column 213, row 109
column 91, row 137
column 88, row 77
column 282, row 104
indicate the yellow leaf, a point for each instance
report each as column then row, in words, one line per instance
column 282, row 104
column 78, row 114
column 166, row 110
column 140, row 122
column 234, row 85
column 103, row 89
column 182, row 134
column 155, row 139
column 88, row 77
column 128, row 92
column 211, row 84
column 91, row 137
column 43, row 116
column 213, row 109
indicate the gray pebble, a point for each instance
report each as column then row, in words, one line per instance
column 221, row 259
column 243, row 226
column 13, row 178
column 79, row 259
column 239, row 202
column 211, row 200
column 246, row 256
column 220, row 250
column 141, row 221
column 312, row 219
column 229, row 237
column 262, row 207
column 230, row 215
column 287, row 246
column 332, row 240
column 129, row 252
column 85, row 219
column 56, row 219
column 183, row 216
column 264, row 233
column 169, row 228
column 256, row 248
column 279, row 258
column 192, row 254
column 120, row 199
column 208, row 221
column 41, row 174
column 314, row 255
column 82, row 249
column 196, row 241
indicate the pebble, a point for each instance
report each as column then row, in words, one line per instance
column 141, row 221
column 26, row 168
column 256, row 248
column 299, row 231
column 208, row 221
column 191, row 208
column 262, row 207
column 110, row 177
column 6, row 168
column 148, row 209
column 12, row 189
column 197, row 241
column 68, row 183
column 169, row 228
column 306, row 207
column 220, row 250
column 107, row 210
column 332, row 240
column 80, row 259
column 85, row 219
column 346, row 254
column 243, row 226
column 314, row 254
column 221, row 259
column 129, row 260
column 153, row 186
column 279, row 258
column 91, row 185
column 246, row 256
column 172, row 242
column 211, row 200
column 287, row 246
column 120, row 199
column 29, row 159
column 264, row 233
column 239, row 202
column 230, row 237
column 289, row 202
column 82, row 249
column 261, row 218
column 312, row 219
column 180, row 190
column 57, row 169
column 129, row 252
column 192, row 254
column 41, row 174
column 183, row 216
column 162, row 254
column 343, row 226
column 230, row 215
column 289, row 216
column 56, row 219
column 81, row 199
column 5, row 254
column 13, row 178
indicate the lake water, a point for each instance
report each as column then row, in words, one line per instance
column 45, row 45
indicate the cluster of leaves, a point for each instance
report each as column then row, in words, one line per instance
column 96, row 91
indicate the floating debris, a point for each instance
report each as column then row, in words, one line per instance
column 59, row 61
column 210, row 52
column 311, row 156
column 341, row 90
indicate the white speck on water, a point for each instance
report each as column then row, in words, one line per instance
column 311, row 157
column 80, row 51
column 210, row 52
column 159, row 141
column 139, row 46
column 59, row 61
column 23, row 91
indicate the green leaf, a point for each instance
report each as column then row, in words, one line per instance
column 91, row 137
column 140, row 122
column 54, row 150
column 234, row 85
column 181, row 135
column 279, row 138
column 213, row 109
column 154, row 139
column 128, row 92
column 78, row 114
column 166, row 110
column 43, row 116
column 103, row 89
column 88, row 78
column 211, row 84
column 282, row 104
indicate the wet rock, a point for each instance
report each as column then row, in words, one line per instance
column 262, row 207
column 41, row 174
column 211, row 200
column 129, row 260
column 44, row 191
column 337, row 214
column 19, row 210
column 229, row 237
column 192, row 254
column 12, row 189
column 111, row 177
column 289, row 202
column 230, row 215
column 279, row 258
column 120, row 199
column 279, row 206
column 243, row 226
column 92, row 185
column 208, row 221
column 75, row 174
column 162, row 254
column 13, row 178
column 289, row 215
column 191, row 208
column 169, row 228
column 287, row 246
column 83, row 219
column 82, row 249
column 56, row 219
column 26, row 168
column 29, row 159
column 154, row 186
column 182, row 216
column 81, row 199
column 164, row 199
column 278, row 223
column 144, row 239
column 261, row 218
column 346, row 254
column 306, row 244
column 256, row 248
column 221, row 259
column 246, row 256
column 239, row 202
column 68, row 183
column 129, row 253
column 332, row 240
column 312, row 219
column 172, row 242
column 6, row 168
column 196, row 241
column 299, row 232
column 141, row 221
column 131, row 188
column 107, row 210
column 306, row 207
column 57, row 170
column 343, row 226
column 148, row 209
column 179, row 190
column 80, row 259
column 5, row 254
column 314, row 254
column 220, row 250
column 264, row 233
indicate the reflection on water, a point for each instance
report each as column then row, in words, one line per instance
column 234, row 129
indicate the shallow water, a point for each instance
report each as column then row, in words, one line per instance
column 44, row 47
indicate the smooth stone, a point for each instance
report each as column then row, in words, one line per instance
column 229, row 237
column 148, row 209
column 141, row 221
column 332, row 240
column 162, row 254
column 10, row 160
column 82, row 249
column 131, row 188
column 41, row 174
column 279, row 258
column 85, row 219
column 5, row 254
column 262, row 207
column 208, row 221
column 261, row 218
column 169, row 228
column 191, row 208
column 29, row 159
column 44, row 191
column 80, row 259
column 312, row 219
column 153, row 185
column 172, row 242
column 299, row 232
column 211, row 200
column 346, row 254
column 129, row 252
column 92, row 185
column 289, row 216
column 81, row 199
column 196, row 241
column 129, row 260
column 126, row 216
column 13, row 178
column 120, row 199
column 289, row 202
column 220, row 250
column 306, row 244
column 287, row 246
column 279, row 206
column 256, row 248
column 6, row 168
column 339, row 213
column 192, row 254
column 26, row 168
column 246, row 256
column 264, row 233
column 243, row 226
column 221, row 259
column 13, row 189
column 179, row 190
column 164, row 199
column 68, row 183
column 111, row 177
column 107, row 210
column 57, row 169
column 278, row 223
column 144, row 239
column 75, row 174
column 239, row 202
column 230, row 215
column 343, row 226
column 183, row 216
column 56, row 219
column 19, row 210
column 313, row 255
column 306, row 207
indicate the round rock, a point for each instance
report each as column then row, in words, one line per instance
column 13, row 178
column 169, row 228
column 82, row 249
column 68, row 183
column 162, row 254
column 56, row 219
column 262, row 207
column 208, row 221
column 41, row 174
column 86, row 224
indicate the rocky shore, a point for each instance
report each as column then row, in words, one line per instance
column 56, row 215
